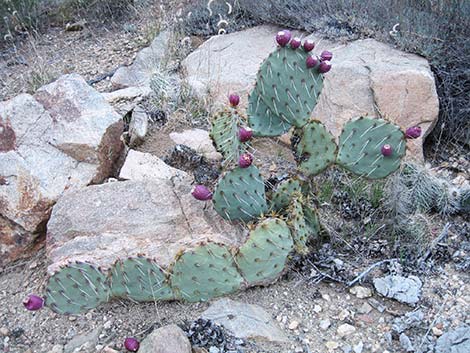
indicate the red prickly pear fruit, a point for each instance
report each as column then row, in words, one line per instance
column 234, row 99
column 245, row 134
column 326, row 55
column 245, row 160
column 309, row 45
column 33, row 302
column 324, row 67
column 283, row 37
column 201, row 193
column 387, row 150
column 413, row 132
column 295, row 43
column 131, row 344
column 311, row 61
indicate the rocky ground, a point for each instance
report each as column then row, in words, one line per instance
column 311, row 309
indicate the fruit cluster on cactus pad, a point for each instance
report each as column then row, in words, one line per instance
column 287, row 89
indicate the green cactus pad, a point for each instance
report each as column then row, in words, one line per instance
column 316, row 149
column 224, row 134
column 311, row 220
column 140, row 279
column 207, row 271
column 76, row 288
column 281, row 198
column 299, row 230
column 263, row 256
column 240, row 195
column 285, row 94
column 262, row 120
column 360, row 147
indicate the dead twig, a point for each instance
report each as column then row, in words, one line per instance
column 436, row 241
column 370, row 268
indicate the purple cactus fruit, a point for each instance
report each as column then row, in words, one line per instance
column 234, row 99
column 326, row 55
column 131, row 344
column 201, row 193
column 311, row 61
column 387, row 150
column 309, row 45
column 245, row 160
column 413, row 132
column 283, row 37
column 33, row 302
column 324, row 67
column 245, row 134
column 295, row 43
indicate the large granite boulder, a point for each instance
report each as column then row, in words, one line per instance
column 155, row 218
column 367, row 78
column 66, row 136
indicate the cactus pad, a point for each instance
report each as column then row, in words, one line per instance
column 75, row 288
column 240, row 195
column 263, row 256
column 140, row 279
column 299, row 230
column 224, row 128
column 311, row 220
column 285, row 94
column 205, row 272
column 316, row 149
column 281, row 198
column 360, row 146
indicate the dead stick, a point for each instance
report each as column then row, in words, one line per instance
column 370, row 268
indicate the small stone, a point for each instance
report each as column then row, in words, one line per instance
column 109, row 350
column 4, row 331
column 437, row 331
column 345, row 330
column 298, row 349
column 58, row 348
column 331, row 345
column 72, row 318
column 293, row 325
column 317, row 308
column 361, row 292
column 325, row 324
column 343, row 314
column 365, row 308
column 358, row 347
column 406, row 343
column 107, row 325
column 346, row 349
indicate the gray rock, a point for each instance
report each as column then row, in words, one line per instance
column 404, row 289
column 147, row 167
column 66, row 136
column 168, row 339
column 455, row 341
column 198, row 140
column 405, row 343
column 159, row 218
column 245, row 320
column 146, row 63
column 138, row 126
column 367, row 77
column 85, row 342
column 358, row 347
column 407, row 321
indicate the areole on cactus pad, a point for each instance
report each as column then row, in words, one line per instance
column 287, row 89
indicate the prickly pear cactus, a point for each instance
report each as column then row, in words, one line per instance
column 311, row 220
column 361, row 147
column 140, row 279
column 205, row 272
column 315, row 149
column 285, row 94
column 75, row 288
column 224, row 128
column 263, row 256
column 281, row 198
column 240, row 195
